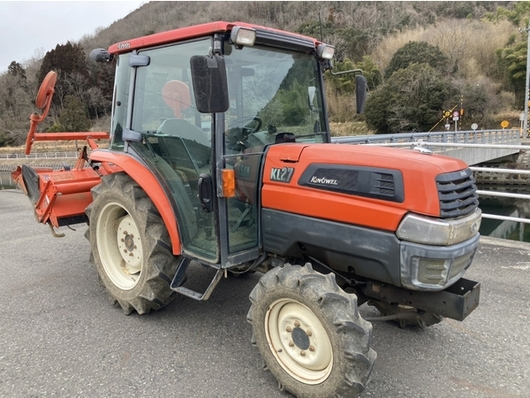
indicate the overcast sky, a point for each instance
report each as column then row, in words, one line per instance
column 28, row 28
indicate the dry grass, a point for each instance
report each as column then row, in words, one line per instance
column 349, row 128
column 468, row 44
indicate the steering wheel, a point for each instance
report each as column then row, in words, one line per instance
column 239, row 130
column 243, row 123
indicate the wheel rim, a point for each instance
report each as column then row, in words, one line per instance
column 119, row 246
column 299, row 341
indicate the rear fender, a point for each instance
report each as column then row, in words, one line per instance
column 145, row 178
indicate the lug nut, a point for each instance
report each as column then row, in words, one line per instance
column 309, row 333
column 302, row 353
column 288, row 329
column 296, row 323
column 291, row 344
column 311, row 348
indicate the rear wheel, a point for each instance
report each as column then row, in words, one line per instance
column 310, row 333
column 130, row 245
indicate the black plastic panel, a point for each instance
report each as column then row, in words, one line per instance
column 377, row 183
column 457, row 193
column 349, row 249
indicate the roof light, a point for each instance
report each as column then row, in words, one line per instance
column 243, row 36
column 325, row 51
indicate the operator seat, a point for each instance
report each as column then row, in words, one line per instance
column 181, row 141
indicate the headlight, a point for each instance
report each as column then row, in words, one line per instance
column 243, row 36
column 325, row 51
column 436, row 231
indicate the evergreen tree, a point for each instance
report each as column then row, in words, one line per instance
column 417, row 52
column 412, row 99
column 74, row 116
column 512, row 61
column 70, row 63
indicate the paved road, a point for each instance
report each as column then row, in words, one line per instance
column 59, row 336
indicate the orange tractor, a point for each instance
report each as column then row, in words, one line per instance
column 220, row 157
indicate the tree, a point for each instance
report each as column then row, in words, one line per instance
column 69, row 61
column 15, row 69
column 417, row 52
column 412, row 99
column 512, row 61
column 14, row 91
column 74, row 116
column 6, row 139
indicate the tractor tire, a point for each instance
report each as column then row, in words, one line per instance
column 130, row 245
column 310, row 333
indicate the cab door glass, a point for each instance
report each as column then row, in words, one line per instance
column 177, row 139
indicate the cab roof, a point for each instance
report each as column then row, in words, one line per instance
column 191, row 32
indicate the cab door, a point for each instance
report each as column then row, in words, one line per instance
column 174, row 138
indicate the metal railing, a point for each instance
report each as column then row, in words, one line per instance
column 503, row 194
column 504, row 136
column 41, row 155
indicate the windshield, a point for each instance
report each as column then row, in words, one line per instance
column 272, row 92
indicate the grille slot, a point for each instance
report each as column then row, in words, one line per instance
column 457, row 193
column 383, row 184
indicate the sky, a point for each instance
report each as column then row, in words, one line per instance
column 32, row 28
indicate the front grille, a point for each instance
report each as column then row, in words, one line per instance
column 457, row 193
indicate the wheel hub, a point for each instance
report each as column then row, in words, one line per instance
column 299, row 341
column 129, row 242
column 300, row 338
column 129, row 245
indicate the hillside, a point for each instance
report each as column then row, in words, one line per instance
column 471, row 36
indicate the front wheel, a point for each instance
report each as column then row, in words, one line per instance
column 130, row 245
column 310, row 333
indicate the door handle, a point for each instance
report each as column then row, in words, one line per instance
column 205, row 187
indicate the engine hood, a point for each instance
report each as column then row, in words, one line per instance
column 365, row 185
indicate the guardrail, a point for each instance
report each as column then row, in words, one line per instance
column 505, row 136
column 487, row 144
column 503, row 194
column 42, row 155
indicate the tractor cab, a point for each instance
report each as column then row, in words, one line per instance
column 200, row 112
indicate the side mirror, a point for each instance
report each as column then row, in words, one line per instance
column 360, row 92
column 100, row 55
column 210, row 84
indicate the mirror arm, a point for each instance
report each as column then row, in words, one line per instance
column 356, row 71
